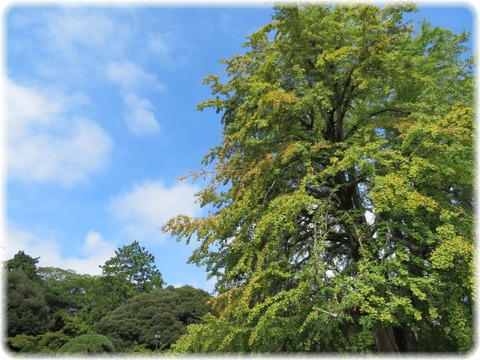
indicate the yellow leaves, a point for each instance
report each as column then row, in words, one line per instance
column 336, row 56
column 398, row 161
column 417, row 292
column 453, row 249
column 276, row 98
column 393, row 191
column 292, row 150
column 455, row 254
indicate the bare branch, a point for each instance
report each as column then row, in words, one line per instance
column 334, row 315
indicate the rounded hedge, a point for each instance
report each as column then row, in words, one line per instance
column 88, row 343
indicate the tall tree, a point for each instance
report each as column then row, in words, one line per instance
column 342, row 192
column 132, row 271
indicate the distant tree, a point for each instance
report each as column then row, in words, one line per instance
column 26, row 263
column 132, row 271
column 27, row 310
column 169, row 311
column 88, row 344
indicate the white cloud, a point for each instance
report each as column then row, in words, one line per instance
column 130, row 76
column 70, row 44
column 95, row 251
column 148, row 206
column 140, row 118
column 44, row 143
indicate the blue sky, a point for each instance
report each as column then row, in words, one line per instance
column 101, row 122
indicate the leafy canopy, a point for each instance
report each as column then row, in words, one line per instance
column 342, row 192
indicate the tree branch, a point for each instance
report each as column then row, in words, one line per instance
column 401, row 111
column 334, row 315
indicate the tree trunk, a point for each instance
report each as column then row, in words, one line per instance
column 394, row 339
column 385, row 339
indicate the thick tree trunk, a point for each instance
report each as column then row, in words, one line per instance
column 394, row 339
column 385, row 339
column 406, row 340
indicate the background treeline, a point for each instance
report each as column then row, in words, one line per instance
column 56, row 310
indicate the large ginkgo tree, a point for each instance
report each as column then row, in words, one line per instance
column 341, row 198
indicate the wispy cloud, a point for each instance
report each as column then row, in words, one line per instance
column 70, row 43
column 148, row 206
column 46, row 143
column 87, row 46
column 130, row 76
column 163, row 47
column 71, row 30
column 140, row 117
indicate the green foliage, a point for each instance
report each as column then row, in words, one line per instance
column 26, row 309
column 342, row 194
column 68, row 296
column 133, row 326
column 52, row 341
column 23, row 343
column 74, row 325
column 25, row 263
column 106, row 294
column 133, row 271
column 88, row 344
column 43, row 343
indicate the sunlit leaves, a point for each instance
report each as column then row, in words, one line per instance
column 343, row 187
